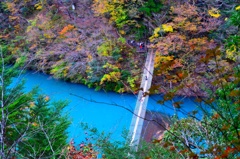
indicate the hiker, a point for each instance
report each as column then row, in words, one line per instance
column 132, row 42
column 141, row 45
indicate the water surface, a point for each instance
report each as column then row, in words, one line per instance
column 87, row 105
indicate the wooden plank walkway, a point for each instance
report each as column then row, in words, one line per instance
column 141, row 104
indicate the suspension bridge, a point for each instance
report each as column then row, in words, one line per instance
column 142, row 100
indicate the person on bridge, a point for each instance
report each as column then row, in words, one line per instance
column 141, row 45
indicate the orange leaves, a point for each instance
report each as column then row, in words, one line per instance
column 180, row 75
column 66, row 29
column 235, row 93
column 216, row 116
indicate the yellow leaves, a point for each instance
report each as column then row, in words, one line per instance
column 122, row 32
column 115, row 76
column 105, row 77
column 111, row 77
column 167, row 28
column 66, row 29
column 160, row 58
column 48, row 36
column 108, row 65
column 155, row 34
column 105, row 48
column 214, row 12
column 38, row 6
column 164, row 27
column 232, row 53
column 237, row 8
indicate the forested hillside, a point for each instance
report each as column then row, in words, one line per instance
column 87, row 41
column 96, row 43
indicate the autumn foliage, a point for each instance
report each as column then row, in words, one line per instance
column 66, row 29
column 85, row 151
column 196, row 44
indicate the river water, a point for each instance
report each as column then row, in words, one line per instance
column 96, row 108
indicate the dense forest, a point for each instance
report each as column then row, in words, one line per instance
column 196, row 43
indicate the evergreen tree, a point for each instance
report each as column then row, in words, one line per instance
column 30, row 127
column 47, row 137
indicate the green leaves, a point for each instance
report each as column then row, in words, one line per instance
column 150, row 7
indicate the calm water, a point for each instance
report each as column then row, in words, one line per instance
column 105, row 117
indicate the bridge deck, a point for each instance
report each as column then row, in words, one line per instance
column 141, row 104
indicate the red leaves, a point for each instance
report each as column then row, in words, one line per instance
column 172, row 148
column 226, row 153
